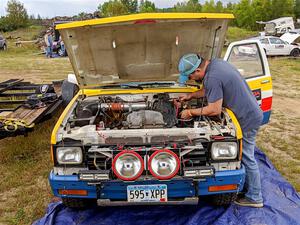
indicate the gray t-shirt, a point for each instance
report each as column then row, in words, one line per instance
column 222, row 80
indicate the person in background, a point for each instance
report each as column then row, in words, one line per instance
column 62, row 46
column 49, row 43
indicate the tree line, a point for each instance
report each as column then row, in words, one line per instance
column 246, row 12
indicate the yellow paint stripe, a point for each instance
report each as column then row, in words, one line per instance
column 256, row 84
column 239, row 133
column 143, row 16
column 92, row 92
column 61, row 118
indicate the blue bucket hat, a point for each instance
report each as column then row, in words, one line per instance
column 187, row 65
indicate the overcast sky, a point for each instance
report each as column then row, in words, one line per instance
column 51, row 8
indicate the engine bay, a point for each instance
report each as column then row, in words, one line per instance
column 145, row 111
column 152, row 118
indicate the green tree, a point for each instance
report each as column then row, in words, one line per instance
column 3, row 24
column 244, row 14
column 209, row 6
column 219, row 7
column 282, row 8
column 297, row 9
column 81, row 16
column 112, row 8
column 16, row 15
column 147, row 6
column 262, row 9
column 131, row 5
column 189, row 6
column 229, row 7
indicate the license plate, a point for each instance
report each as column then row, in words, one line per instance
column 147, row 193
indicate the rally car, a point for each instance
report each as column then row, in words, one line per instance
column 121, row 139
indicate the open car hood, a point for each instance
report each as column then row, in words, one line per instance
column 290, row 37
column 140, row 47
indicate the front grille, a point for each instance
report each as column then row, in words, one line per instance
column 97, row 161
column 195, row 158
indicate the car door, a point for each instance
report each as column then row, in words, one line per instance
column 254, row 68
column 266, row 45
column 279, row 46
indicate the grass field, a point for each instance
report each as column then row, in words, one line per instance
column 25, row 161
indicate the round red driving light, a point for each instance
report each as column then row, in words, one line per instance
column 164, row 164
column 128, row 165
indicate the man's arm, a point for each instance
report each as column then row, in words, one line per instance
column 212, row 109
column 197, row 94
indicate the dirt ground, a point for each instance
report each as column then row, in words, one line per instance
column 25, row 161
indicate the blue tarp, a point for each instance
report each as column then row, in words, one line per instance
column 281, row 206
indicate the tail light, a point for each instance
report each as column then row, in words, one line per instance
column 128, row 165
column 164, row 164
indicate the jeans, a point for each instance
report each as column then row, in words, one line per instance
column 252, row 181
column 48, row 51
column 62, row 46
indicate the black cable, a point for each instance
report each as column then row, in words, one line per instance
column 202, row 104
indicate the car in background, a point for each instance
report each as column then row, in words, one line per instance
column 276, row 46
column 3, row 44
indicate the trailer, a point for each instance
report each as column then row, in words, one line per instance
column 24, row 104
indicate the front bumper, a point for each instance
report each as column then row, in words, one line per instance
column 177, row 188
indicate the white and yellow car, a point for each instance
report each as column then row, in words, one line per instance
column 121, row 140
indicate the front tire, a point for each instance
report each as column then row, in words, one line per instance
column 79, row 203
column 223, row 199
column 4, row 47
column 295, row 52
column 61, row 53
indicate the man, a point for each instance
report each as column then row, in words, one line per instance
column 225, row 87
column 49, row 43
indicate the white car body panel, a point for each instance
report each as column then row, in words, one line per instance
column 276, row 46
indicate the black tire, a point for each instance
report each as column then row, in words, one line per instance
column 4, row 47
column 223, row 199
column 295, row 52
column 79, row 203
column 61, row 53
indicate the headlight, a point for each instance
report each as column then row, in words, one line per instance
column 128, row 165
column 224, row 150
column 69, row 155
column 164, row 164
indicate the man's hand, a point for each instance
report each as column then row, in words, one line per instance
column 186, row 114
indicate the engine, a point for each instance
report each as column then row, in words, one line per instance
column 129, row 112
